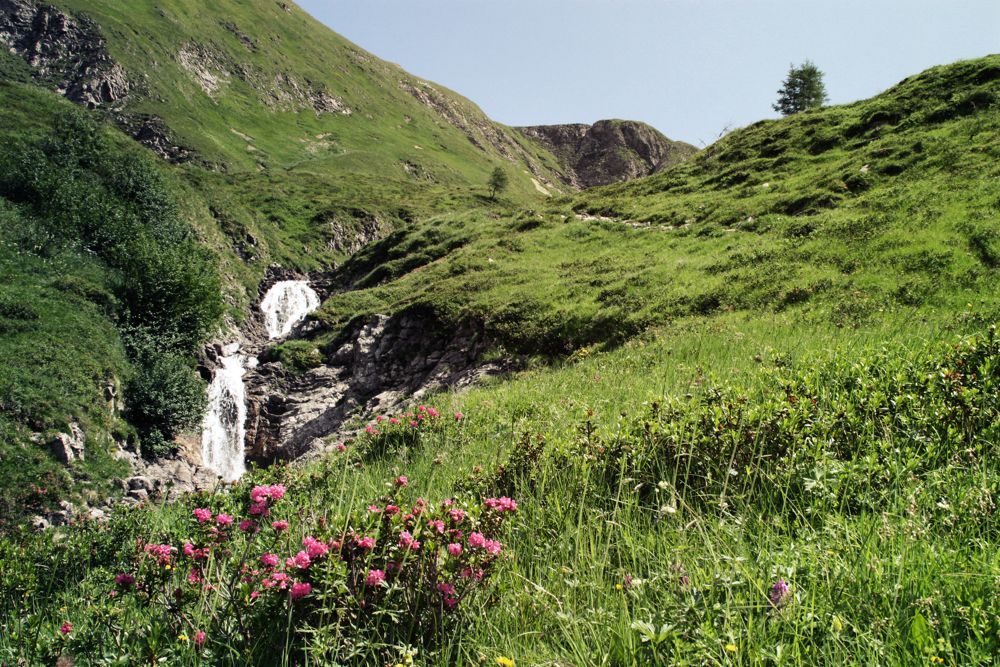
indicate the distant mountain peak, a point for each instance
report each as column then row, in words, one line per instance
column 609, row 151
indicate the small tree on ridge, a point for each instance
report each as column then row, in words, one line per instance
column 498, row 182
column 802, row 89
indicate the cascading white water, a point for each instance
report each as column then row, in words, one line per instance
column 285, row 304
column 223, row 429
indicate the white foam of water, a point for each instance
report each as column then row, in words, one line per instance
column 286, row 304
column 224, row 427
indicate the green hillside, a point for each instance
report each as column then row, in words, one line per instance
column 837, row 215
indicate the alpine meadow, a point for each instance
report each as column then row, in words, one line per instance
column 308, row 361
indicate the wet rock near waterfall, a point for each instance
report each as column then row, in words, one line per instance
column 374, row 368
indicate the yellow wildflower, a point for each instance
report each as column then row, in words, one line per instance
column 505, row 662
column 182, row 638
column 731, row 647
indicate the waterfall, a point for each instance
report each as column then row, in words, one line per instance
column 224, row 430
column 285, row 304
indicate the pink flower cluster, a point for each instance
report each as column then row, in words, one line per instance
column 162, row 552
column 262, row 497
column 503, row 504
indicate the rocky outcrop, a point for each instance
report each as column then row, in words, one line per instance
column 609, row 151
column 69, row 447
column 66, row 52
column 382, row 363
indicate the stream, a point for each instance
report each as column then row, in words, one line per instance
column 224, row 427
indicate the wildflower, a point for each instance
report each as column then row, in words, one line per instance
column 279, row 525
column 433, row 413
column 374, row 509
column 407, row 542
column 493, row 547
column 182, row 637
column 314, row 547
column 391, row 509
column 124, row 579
column 437, row 525
column 199, row 638
column 248, row 526
column 202, row 514
column 779, row 590
column 375, row 577
column 505, row 662
column 402, row 481
column 269, row 560
column 224, row 520
column 459, row 416
column 365, row 543
column 380, row 418
column 627, row 582
column 300, row 560
column 300, row 589
column 446, row 588
column 66, row 628
column 259, row 509
column 456, row 515
column 503, row 504
column 455, row 549
column 194, row 577
column 371, row 430
column 340, row 447
column 393, row 421
column 161, row 551
column 260, row 494
column 731, row 647
column 477, row 540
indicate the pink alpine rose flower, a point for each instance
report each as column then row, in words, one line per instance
column 375, row 577
column 202, row 514
column 300, row 589
column 279, row 525
column 455, row 549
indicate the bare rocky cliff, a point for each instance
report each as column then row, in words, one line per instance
column 609, row 151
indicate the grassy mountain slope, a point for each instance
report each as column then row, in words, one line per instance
column 768, row 437
column 300, row 144
column 834, row 212
column 301, row 141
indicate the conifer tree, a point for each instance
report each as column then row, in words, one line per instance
column 802, row 89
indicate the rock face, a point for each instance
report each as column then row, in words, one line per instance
column 68, row 447
column 609, row 151
column 66, row 52
column 379, row 365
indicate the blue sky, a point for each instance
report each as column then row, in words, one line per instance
column 689, row 67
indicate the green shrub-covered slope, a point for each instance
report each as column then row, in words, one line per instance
column 107, row 292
